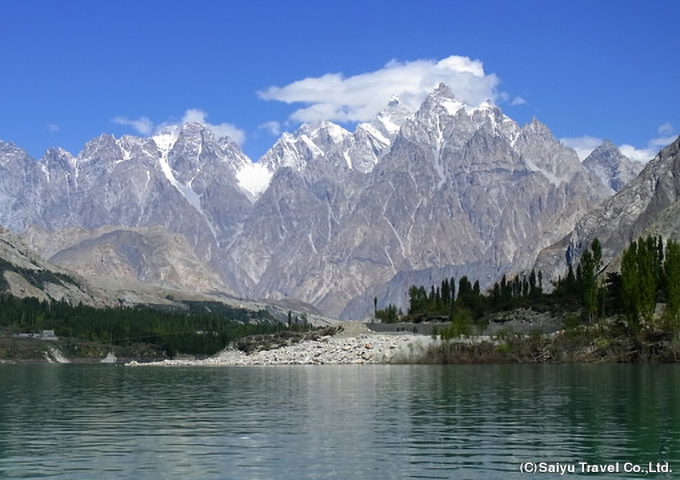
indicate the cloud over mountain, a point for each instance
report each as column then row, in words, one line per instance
column 359, row 97
column 145, row 126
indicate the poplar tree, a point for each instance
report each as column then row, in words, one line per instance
column 588, row 284
column 446, row 293
column 648, row 275
column 672, row 283
column 630, row 292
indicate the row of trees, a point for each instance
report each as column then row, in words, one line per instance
column 650, row 274
column 442, row 300
column 504, row 295
column 203, row 328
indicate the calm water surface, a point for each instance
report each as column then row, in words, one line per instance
column 338, row 422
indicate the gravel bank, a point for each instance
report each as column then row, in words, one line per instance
column 354, row 345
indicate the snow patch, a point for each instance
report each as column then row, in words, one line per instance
column 311, row 242
column 348, row 160
column 374, row 132
column 452, row 106
column 127, row 154
column 390, row 126
column 254, row 178
column 165, row 141
column 336, row 132
column 312, row 146
column 44, row 169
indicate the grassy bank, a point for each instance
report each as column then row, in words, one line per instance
column 608, row 341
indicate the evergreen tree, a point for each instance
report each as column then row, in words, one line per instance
column 446, row 294
column 532, row 284
column 417, row 300
column 506, row 290
column 630, row 291
column 672, row 284
column 464, row 290
column 647, row 276
column 571, row 285
column 588, row 284
column 596, row 247
column 496, row 295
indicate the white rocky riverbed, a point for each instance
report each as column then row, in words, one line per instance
column 355, row 345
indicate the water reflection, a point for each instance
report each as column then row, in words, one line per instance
column 84, row 421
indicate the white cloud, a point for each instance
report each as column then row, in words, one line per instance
column 643, row 155
column 661, row 142
column 586, row 144
column 141, row 125
column 359, row 97
column 272, row 127
column 145, row 126
column 194, row 115
column 583, row 145
column 52, row 128
column 518, row 101
column 665, row 128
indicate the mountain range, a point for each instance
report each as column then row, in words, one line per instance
column 327, row 216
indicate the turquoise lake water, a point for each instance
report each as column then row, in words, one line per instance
column 338, row 422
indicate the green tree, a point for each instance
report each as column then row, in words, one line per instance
column 417, row 300
column 648, row 276
column 672, row 283
column 596, row 247
column 571, row 285
column 630, row 286
column 388, row 315
column 446, row 294
column 496, row 295
column 532, row 284
column 464, row 290
column 588, row 284
column 460, row 325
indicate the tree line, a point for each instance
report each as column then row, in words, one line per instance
column 201, row 328
column 650, row 274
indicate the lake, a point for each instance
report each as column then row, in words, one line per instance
column 338, row 422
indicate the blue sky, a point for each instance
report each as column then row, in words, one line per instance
column 589, row 70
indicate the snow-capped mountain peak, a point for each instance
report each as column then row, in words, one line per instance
column 166, row 138
column 441, row 100
column 389, row 120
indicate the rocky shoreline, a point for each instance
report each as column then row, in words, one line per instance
column 356, row 344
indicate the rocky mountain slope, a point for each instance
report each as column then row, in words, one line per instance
column 24, row 274
column 613, row 168
column 147, row 254
column 647, row 204
column 326, row 216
